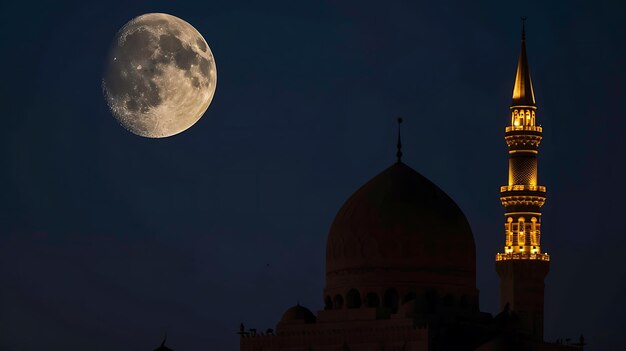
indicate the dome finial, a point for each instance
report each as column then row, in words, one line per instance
column 163, row 347
column 524, row 28
column 399, row 153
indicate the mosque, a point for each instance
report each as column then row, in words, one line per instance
column 401, row 263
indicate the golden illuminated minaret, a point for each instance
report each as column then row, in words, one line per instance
column 522, row 266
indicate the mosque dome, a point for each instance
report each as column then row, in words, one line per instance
column 397, row 236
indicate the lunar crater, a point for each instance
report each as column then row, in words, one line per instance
column 160, row 77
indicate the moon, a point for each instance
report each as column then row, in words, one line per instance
column 160, row 76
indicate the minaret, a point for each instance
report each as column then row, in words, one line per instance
column 523, row 266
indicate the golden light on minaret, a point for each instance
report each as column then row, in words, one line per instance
column 522, row 198
column 522, row 266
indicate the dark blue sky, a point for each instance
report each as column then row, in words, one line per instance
column 109, row 240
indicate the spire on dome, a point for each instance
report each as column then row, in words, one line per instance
column 523, row 94
column 163, row 347
column 399, row 153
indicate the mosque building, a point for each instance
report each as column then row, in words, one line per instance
column 401, row 263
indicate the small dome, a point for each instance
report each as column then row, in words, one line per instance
column 400, row 230
column 298, row 313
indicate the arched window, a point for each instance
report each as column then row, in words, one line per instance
column 409, row 296
column 353, row 299
column 522, row 234
column 391, row 300
column 538, row 232
column 533, row 231
column 509, row 231
column 519, row 118
column 432, row 300
column 328, row 303
column 372, row 300
column 338, row 303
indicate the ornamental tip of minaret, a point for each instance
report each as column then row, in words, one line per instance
column 523, row 94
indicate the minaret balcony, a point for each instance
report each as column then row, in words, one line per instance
column 522, row 256
column 517, row 197
column 524, row 128
column 523, row 187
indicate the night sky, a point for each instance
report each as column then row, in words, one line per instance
column 109, row 240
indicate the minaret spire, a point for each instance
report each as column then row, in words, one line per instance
column 399, row 153
column 523, row 93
